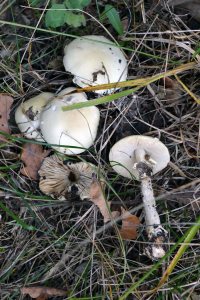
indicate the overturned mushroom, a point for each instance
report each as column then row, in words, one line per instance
column 27, row 115
column 73, row 131
column 95, row 60
column 58, row 179
column 139, row 157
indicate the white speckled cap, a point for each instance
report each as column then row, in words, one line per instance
column 93, row 60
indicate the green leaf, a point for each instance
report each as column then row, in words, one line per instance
column 56, row 16
column 77, row 4
column 102, row 100
column 113, row 16
column 75, row 20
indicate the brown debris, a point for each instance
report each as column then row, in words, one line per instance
column 42, row 292
column 130, row 225
column 169, row 91
column 5, row 105
column 98, row 198
column 32, row 156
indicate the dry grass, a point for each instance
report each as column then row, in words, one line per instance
column 70, row 247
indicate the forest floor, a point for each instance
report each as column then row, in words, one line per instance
column 39, row 234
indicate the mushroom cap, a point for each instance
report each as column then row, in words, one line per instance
column 135, row 148
column 27, row 115
column 75, row 130
column 57, row 179
column 92, row 61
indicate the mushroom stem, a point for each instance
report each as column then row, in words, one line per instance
column 156, row 233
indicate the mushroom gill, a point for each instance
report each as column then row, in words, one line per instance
column 58, row 179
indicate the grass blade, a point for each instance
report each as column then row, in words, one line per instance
column 139, row 83
column 113, row 16
column 16, row 218
column 189, row 236
column 186, row 239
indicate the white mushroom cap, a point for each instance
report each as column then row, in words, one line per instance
column 27, row 115
column 136, row 148
column 93, row 62
column 75, row 129
column 57, row 178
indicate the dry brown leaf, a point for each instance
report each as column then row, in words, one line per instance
column 169, row 83
column 42, row 292
column 5, row 104
column 129, row 227
column 169, row 91
column 32, row 156
column 98, row 198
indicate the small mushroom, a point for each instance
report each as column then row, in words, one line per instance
column 75, row 130
column 27, row 115
column 95, row 60
column 58, row 179
column 139, row 157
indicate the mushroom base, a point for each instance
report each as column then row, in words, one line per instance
column 157, row 243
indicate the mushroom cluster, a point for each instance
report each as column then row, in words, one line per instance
column 70, row 132
column 92, row 60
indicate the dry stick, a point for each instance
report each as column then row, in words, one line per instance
column 137, row 84
column 180, row 188
column 140, row 81
column 192, row 95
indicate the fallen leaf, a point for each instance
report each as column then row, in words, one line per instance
column 5, row 104
column 42, row 292
column 169, row 83
column 32, row 156
column 129, row 227
column 169, row 91
column 98, row 198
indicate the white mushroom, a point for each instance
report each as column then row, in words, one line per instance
column 58, row 179
column 27, row 115
column 95, row 60
column 139, row 157
column 73, row 131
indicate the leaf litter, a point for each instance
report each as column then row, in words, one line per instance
column 5, row 105
column 98, row 198
column 32, row 157
column 42, row 292
column 130, row 222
